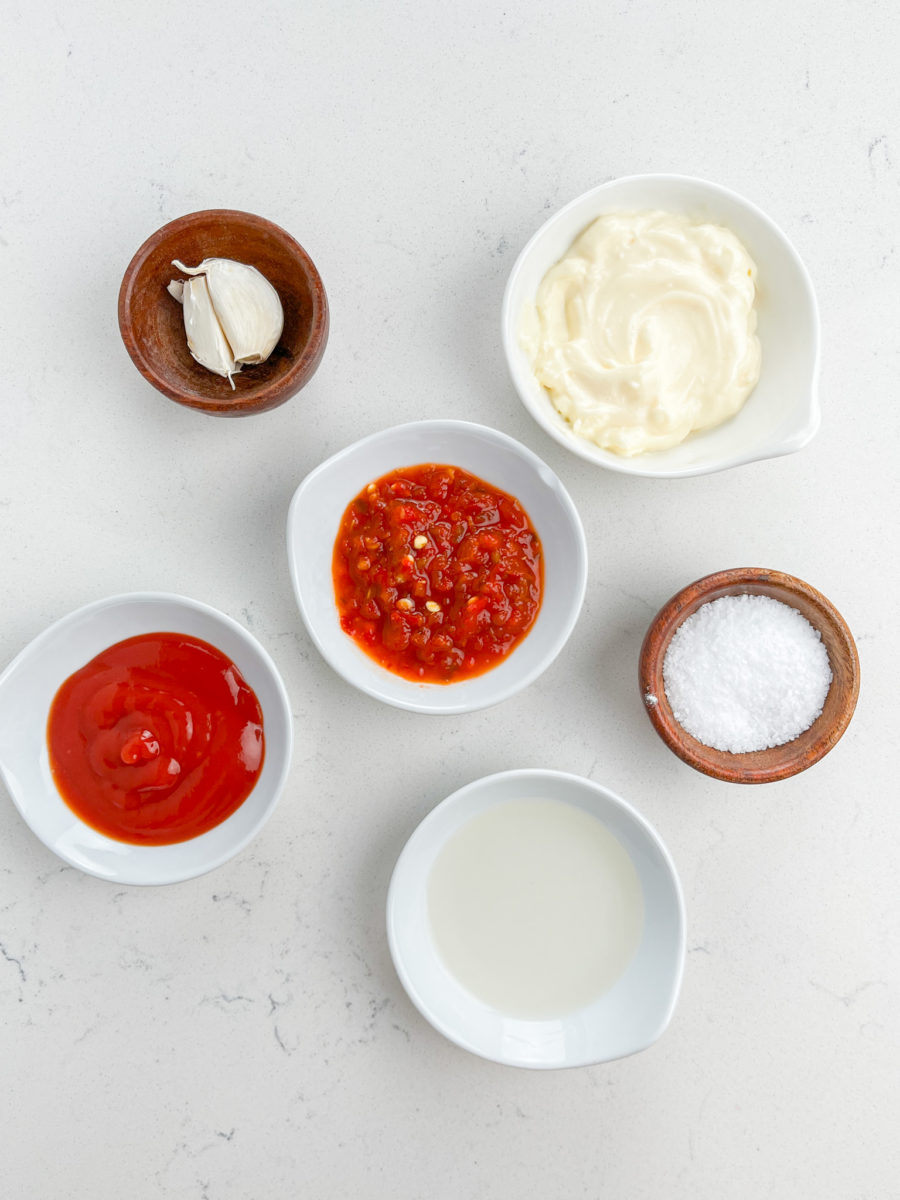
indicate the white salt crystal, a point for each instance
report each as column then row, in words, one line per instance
column 745, row 673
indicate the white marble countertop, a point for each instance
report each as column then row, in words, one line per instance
column 244, row 1035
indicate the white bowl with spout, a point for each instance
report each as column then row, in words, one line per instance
column 780, row 416
column 626, row 1018
column 29, row 684
column 315, row 516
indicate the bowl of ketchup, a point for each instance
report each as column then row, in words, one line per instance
column 144, row 738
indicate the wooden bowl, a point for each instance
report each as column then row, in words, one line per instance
column 779, row 762
column 152, row 326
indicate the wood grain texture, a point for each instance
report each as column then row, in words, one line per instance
column 152, row 326
column 779, row 762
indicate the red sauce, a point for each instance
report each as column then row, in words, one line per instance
column 437, row 575
column 156, row 740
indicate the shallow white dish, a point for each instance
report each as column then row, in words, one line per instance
column 782, row 413
column 627, row 1018
column 315, row 515
column 30, row 682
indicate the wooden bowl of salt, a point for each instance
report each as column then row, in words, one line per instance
column 745, row 691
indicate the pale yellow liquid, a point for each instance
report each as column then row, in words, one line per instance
column 535, row 907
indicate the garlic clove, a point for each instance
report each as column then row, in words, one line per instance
column 205, row 338
column 247, row 306
column 176, row 289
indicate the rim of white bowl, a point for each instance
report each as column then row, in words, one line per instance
column 564, row 631
column 268, row 662
column 410, row 849
column 790, row 444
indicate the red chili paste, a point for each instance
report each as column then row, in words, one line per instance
column 437, row 574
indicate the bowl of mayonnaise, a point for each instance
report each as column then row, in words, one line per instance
column 663, row 325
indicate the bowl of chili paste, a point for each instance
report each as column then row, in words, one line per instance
column 439, row 566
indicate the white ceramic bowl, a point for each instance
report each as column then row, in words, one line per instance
column 626, row 1019
column 781, row 414
column 315, row 515
column 30, row 682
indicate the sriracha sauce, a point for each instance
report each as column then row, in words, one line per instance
column 156, row 740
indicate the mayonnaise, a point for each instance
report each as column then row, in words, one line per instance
column 646, row 330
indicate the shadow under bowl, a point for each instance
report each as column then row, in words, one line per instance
column 777, row 762
column 152, row 325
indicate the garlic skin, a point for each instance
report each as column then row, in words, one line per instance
column 205, row 338
column 246, row 305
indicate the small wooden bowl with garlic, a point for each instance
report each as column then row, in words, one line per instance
column 207, row 298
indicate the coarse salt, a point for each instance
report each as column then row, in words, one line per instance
column 746, row 673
